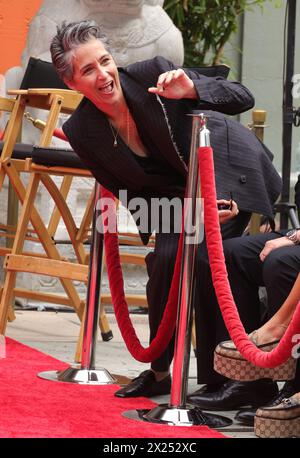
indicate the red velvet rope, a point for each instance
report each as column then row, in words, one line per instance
column 115, row 277
column 219, row 274
column 59, row 133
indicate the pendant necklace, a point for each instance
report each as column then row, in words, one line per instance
column 115, row 132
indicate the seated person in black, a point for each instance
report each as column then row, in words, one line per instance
column 271, row 260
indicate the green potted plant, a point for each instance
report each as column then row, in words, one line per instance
column 207, row 25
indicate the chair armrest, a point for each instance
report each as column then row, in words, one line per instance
column 6, row 104
column 70, row 99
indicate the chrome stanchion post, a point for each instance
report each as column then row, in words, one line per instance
column 192, row 225
column 177, row 412
column 87, row 374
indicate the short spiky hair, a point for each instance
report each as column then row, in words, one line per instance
column 69, row 37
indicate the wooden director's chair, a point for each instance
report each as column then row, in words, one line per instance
column 55, row 103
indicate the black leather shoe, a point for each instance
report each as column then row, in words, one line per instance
column 246, row 416
column 145, row 385
column 234, row 395
column 208, row 388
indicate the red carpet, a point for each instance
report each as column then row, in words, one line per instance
column 35, row 408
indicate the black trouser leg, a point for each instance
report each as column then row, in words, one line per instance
column 160, row 266
column 210, row 328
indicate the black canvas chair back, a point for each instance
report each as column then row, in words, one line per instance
column 38, row 74
column 41, row 74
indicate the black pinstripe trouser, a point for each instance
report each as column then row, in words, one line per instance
column 160, row 266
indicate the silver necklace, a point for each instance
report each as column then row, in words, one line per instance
column 115, row 132
column 115, row 135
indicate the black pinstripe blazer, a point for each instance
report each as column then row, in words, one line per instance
column 242, row 164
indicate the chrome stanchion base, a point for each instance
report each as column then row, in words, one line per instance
column 181, row 416
column 81, row 376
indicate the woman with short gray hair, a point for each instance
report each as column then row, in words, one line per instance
column 68, row 38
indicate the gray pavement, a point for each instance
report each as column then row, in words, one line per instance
column 56, row 334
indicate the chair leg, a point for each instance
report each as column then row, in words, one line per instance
column 56, row 215
column 6, row 299
column 12, row 218
column 10, row 277
column 106, row 332
column 11, row 316
column 82, row 233
column 78, row 351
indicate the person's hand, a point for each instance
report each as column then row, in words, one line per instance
column 227, row 214
column 271, row 245
column 174, row 84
